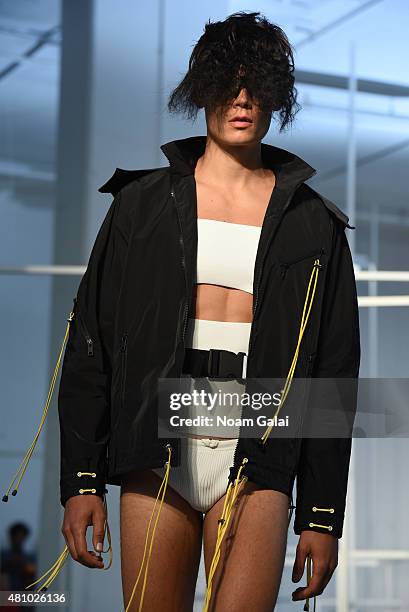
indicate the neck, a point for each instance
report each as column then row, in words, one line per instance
column 230, row 164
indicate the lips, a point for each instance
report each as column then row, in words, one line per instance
column 241, row 118
column 241, row 122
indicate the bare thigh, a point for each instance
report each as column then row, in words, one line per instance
column 252, row 553
column 176, row 551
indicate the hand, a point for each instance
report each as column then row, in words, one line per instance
column 82, row 511
column 323, row 549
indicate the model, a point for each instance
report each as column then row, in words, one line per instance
column 224, row 264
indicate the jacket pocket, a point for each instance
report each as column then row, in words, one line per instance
column 284, row 265
column 84, row 331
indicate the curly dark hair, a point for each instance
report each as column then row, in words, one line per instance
column 244, row 50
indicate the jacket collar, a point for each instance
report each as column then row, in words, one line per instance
column 183, row 154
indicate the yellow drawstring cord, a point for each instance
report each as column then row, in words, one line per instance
column 58, row 565
column 27, row 457
column 223, row 522
column 227, row 507
column 164, row 484
column 108, row 534
column 303, row 325
column 264, row 437
column 53, row 571
column 307, row 601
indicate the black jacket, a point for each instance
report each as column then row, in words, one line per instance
column 130, row 316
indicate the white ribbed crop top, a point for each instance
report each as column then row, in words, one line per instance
column 226, row 253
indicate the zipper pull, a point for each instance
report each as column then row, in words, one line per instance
column 90, row 347
column 124, row 341
column 87, row 337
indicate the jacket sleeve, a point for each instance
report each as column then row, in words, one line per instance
column 323, row 467
column 84, row 390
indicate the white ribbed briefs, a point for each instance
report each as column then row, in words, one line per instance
column 202, row 476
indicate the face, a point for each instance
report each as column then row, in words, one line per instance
column 241, row 123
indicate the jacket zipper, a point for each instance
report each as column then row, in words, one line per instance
column 183, row 261
column 84, row 331
column 124, row 348
column 286, row 264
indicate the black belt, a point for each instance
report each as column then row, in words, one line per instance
column 214, row 363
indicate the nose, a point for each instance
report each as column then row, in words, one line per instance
column 243, row 99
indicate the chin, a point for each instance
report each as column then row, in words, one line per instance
column 239, row 137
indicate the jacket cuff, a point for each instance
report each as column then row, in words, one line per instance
column 322, row 519
column 82, row 483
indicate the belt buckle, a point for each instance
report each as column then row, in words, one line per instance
column 244, row 368
column 241, row 378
